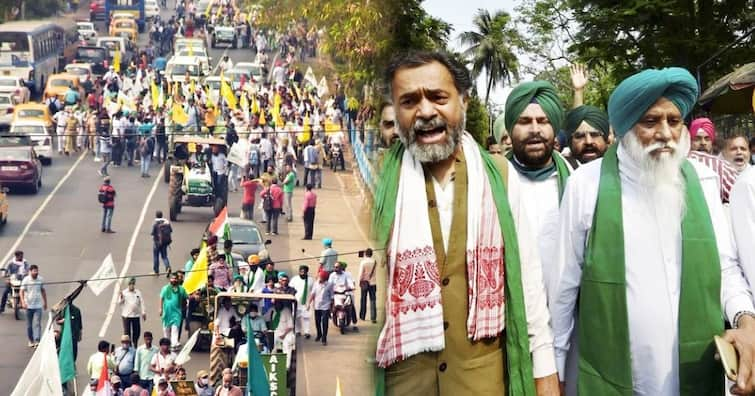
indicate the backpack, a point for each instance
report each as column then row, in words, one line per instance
column 163, row 233
column 102, row 196
column 267, row 200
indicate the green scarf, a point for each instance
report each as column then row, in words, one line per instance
column 520, row 381
column 539, row 174
column 304, row 294
column 605, row 367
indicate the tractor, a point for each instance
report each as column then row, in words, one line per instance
column 191, row 182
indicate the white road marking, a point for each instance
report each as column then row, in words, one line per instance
column 129, row 254
column 354, row 215
column 42, row 207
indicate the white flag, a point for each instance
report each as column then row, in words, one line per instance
column 322, row 87
column 309, row 77
column 185, row 354
column 106, row 272
column 42, row 375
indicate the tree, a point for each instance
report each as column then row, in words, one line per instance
column 478, row 121
column 491, row 48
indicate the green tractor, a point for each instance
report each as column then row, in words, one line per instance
column 191, row 182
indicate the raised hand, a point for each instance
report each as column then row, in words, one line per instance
column 579, row 76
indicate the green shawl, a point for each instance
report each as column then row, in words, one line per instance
column 605, row 366
column 520, row 379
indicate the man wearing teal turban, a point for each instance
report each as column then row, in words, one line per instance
column 586, row 131
column 645, row 250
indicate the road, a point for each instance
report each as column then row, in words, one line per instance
column 59, row 230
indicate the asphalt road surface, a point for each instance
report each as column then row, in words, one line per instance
column 59, row 230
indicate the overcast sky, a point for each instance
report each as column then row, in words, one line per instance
column 460, row 15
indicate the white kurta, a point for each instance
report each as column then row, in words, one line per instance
column 653, row 272
column 302, row 313
column 742, row 208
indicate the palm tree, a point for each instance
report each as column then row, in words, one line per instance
column 490, row 48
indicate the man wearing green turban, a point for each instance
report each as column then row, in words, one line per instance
column 587, row 133
column 645, row 250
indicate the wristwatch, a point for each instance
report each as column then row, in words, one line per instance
column 739, row 315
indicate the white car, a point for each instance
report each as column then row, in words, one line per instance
column 82, row 70
column 151, row 9
column 254, row 69
column 195, row 43
column 200, row 53
column 86, row 31
column 7, row 104
column 178, row 66
column 40, row 137
column 16, row 87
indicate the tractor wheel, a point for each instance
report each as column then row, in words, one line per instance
column 174, row 208
column 166, row 171
column 218, row 361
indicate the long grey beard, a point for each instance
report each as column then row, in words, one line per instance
column 661, row 177
column 436, row 152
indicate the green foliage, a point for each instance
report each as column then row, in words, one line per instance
column 478, row 120
column 42, row 8
column 596, row 92
column 491, row 48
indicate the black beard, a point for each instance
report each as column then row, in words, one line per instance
column 519, row 149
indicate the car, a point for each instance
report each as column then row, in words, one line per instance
column 40, row 137
column 20, row 167
column 15, row 86
column 124, row 28
column 178, row 66
column 183, row 42
column 7, row 107
column 224, row 34
column 87, row 31
column 82, row 70
column 3, row 206
column 200, row 53
column 151, row 9
column 255, row 70
column 246, row 237
column 97, row 57
column 122, row 44
column 58, row 85
column 33, row 111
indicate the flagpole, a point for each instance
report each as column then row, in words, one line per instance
column 75, row 387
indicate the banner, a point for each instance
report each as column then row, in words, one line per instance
column 106, row 272
column 42, row 375
column 275, row 367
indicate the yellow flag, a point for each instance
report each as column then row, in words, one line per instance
column 192, row 87
column 178, row 115
column 191, row 50
column 198, row 275
column 244, row 102
column 227, row 92
column 263, row 121
column 255, row 105
column 117, row 61
column 155, row 95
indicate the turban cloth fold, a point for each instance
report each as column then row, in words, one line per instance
column 499, row 128
column 592, row 115
column 540, row 92
column 634, row 96
column 706, row 125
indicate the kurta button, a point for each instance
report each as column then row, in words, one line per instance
column 445, row 325
column 442, row 367
column 445, row 281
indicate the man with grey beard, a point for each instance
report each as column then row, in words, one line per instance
column 645, row 251
column 455, row 262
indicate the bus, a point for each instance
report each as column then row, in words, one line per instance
column 31, row 50
column 133, row 7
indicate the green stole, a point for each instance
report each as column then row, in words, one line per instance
column 306, row 289
column 520, row 380
column 605, row 366
column 540, row 174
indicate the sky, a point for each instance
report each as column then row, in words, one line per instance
column 460, row 18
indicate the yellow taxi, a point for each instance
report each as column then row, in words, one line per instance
column 3, row 206
column 33, row 111
column 124, row 27
column 58, row 85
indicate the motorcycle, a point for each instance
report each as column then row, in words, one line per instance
column 15, row 295
column 342, row 302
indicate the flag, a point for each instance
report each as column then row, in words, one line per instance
column 65, row 357
column 185, row 354
column 155, row 95
column 227, row 92
column 178, row 114
column 322, row 87
column 256, row 377
column 263, row 121
column 220, row 226
column 41, row 377
column 198, row 275
column 338, row 387
column 161, row 98
column 255, row 105
column 192, row 87
column 117, row 61
column 309, row 77
column 106, row 272
column 104, row 388
column 244, row 102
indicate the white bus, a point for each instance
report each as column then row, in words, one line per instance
column 31, row 50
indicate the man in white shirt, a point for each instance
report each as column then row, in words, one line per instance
column 303, row 285
column 652, row 294
column 226, row 312
column 219, row 164
column 368, row 286
column 266, row 150
column 132, row 309
column 94, row 365
column 343, row 283
column 61, row 119
column 742, row 209
column 163, row 364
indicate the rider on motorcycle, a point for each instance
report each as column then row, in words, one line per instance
column 18, row 268
column 344, row 283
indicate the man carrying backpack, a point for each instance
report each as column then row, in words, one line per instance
column 106, row 196
column 161, row 238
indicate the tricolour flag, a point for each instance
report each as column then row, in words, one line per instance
column 219, row 226
column 104, row 388
column 256, row 377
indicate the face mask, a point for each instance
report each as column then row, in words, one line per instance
column 204, row 381
column 254, row 314
column 125, row 346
